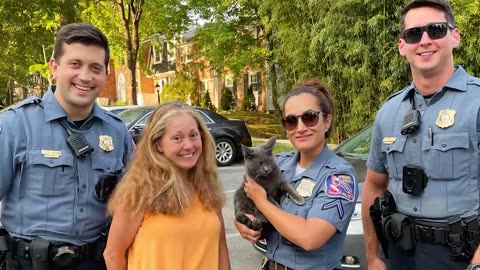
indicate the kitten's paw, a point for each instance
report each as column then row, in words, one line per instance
column 299, row 200
column 256, row 224
column 242, row 218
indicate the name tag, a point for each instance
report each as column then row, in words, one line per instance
column 51, row 153
column 389, row 140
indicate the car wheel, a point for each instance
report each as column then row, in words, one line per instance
column 224, row 152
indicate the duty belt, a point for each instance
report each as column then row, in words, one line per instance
column 427, row 234
column 21, row 248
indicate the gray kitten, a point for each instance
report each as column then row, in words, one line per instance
column 261, row 166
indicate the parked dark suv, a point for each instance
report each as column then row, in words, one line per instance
column 228, row 133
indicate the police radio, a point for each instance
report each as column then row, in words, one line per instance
column 77, row 143
column 411, row 121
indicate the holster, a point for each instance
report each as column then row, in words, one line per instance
column 39, row 254
column 400, row 229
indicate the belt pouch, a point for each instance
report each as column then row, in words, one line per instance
column 39, row 254
column 402, row 230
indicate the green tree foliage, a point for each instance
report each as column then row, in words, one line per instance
column 232, row 37
column 227, row 102
column 207, row 102
column 182, row 88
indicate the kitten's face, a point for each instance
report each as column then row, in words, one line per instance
column 259, row 160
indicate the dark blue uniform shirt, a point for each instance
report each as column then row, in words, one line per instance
column 45, row 190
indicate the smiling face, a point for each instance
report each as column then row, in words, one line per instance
column 429, row 58
column 182, row 142
column 307, row 140
column 80, row 75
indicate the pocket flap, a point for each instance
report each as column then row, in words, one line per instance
column 36, row 157
column 446, row 141
column 107, row 164
column 397, row 146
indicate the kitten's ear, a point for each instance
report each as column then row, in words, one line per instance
column 270, row 144
column 247, row 152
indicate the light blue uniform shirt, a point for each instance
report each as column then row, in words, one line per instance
column 330, row 190
column 52, row 194
column 446, row 146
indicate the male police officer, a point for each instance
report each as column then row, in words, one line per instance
column 425, row 151
column 60, row 156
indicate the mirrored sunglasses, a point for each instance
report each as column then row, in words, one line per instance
column 434, row 30
column 309, row 118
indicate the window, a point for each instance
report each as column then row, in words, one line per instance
column 253, row 78
column 157, row 54
column 186, row 54
column 229, row 81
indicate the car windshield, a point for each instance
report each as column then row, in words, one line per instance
column 359, row 145
column 130, row 116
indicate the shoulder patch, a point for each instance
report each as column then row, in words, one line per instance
column 340, row 186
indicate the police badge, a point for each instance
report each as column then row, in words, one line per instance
column 305, row 189
column 446, row 118
column 106, row 143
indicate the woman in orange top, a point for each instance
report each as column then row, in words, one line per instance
column 167, row 208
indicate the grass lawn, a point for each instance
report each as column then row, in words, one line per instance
column 260, row 125
column 278, row 148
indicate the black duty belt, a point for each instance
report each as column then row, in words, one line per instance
column 21, row 248
column 430, row 234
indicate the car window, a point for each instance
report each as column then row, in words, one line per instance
column 359, row 145
column 144, row 120
column 129, row 116
column 206, row 119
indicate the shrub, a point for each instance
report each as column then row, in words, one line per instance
column 120, row 103
column 248, row 102
column 227, row 103
column 207, row 102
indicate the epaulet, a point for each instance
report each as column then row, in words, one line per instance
column 473, row 80
column 286, row 154
column 113, row 115
column 30, row 100
column 395, row 94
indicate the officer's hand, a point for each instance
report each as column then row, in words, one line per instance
column 377, row 264
column 247, row 233
column 254, row 191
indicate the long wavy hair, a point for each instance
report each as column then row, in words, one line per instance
column 154, row 184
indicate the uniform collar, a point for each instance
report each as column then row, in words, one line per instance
column 288, row 168
column 458, row 81
column 54, row 111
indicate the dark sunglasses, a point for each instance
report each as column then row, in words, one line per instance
column 309, row 118
column 434, row 30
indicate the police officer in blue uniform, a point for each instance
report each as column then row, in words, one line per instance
column 425, row 152
column 60, row 157
column 309, row 236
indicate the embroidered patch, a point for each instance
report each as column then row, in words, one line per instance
column 340, row 186
column 335, row 204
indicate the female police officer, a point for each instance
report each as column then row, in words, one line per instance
column 309, row 236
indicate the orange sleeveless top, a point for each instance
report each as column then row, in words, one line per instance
column 183, row 242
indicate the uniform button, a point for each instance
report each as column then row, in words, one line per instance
column 51, row 161
column 296, row 212
column 81, row 209
column 84, row 186
column 271, row 251
column 444, row 145
column 415, row 209
column 108, row 168
column 414, row 140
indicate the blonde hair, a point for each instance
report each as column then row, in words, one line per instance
column 153, row 184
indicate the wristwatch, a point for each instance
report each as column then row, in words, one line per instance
column 473, row 266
